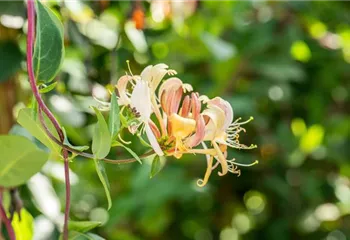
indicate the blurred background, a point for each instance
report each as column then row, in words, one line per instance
column 285, row 63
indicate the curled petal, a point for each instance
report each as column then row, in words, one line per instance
column 226, row 107
column 222, row 159
column 186, row 106
column 153, row 140
column 146, row 74
column 121, row 87
column 203, row 182
column 198, row 137
column 170, row 84
column 216, row 121
column 175, row 101
column 166, row 101
column 154, row 74
column 196, row 105
column 154, row 129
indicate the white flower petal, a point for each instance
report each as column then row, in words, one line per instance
column 153, row 141
column 141, row 100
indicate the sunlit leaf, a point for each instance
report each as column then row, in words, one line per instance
column 114, row 120
column 20, row 159
column 48, row 49
column 101, row 172
column 26, row 120
column 101, row 141
column 23, row 227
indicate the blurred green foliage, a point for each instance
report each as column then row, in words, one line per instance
column 285, row 63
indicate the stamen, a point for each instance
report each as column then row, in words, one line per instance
column 241, row 123
column 128, row 63
column 232, row 161
column 171, row 72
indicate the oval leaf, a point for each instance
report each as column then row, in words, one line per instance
column 20, row 159
column 101, row 141
column 83, row 226
column 114, row 120
column 101, row 172
column 156, row 166
column 49, row 48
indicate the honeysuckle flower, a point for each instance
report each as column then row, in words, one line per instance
column 222, row 132
column 138, row 93
column 185, row 120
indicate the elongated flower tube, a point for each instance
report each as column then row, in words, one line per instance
column 185, row 125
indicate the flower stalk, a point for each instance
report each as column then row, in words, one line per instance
column 42, row 106
column 6, row 221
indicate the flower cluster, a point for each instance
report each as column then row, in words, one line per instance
column 179, row 121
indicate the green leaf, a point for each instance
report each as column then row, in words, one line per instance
column 119, row 144
column 10, row 62
column 74, row 235
column 143, row 142
column 23, row 227
column 101, row 172
column 114, row 120
column 26, row 120
column 83, row 226
column 67, row 143
column 101, row 141
column 20, row 159
column 49, row 48
column 47, row 88
column 156, row 166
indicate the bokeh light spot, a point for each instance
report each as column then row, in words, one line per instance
column 276, row 93
column 254, row 201
column 300, row 51
column 312, row 138
column 336, row 235
column 242, row 222
column 327, row 212
column 99, row 215
column 298, row 127
column 229, row 234
column 317, row 29
column 160, row 50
